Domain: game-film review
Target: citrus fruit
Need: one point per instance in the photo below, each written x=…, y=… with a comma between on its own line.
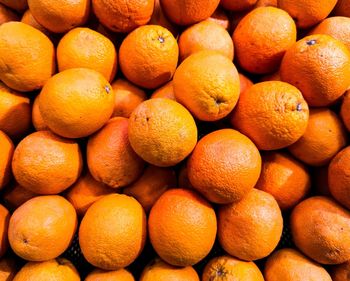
x=7, y=149
x=8, y=269
x=4, y=225
x=166, y=91
x=341, y=272
x=245, y=83
x=7, y=14
x=342, y=8
x=117, y=275
x=15, y=195
x=18, y=5
x=28, y=18
x=238, y=5
x=220, y=17
x=159, y=18
x=345, y=109
x=37, y=119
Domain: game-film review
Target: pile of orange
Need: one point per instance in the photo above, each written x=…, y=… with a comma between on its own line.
x=174, y=140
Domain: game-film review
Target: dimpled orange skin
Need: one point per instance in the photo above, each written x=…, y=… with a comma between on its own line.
x=182, y=227
x=7, y=149
x=18, y=5
x=52, y=270
x=251, y=228
x=59, y=16
x=272, y=114
x=127, y=97
x=290, y=265
x=196, y=10
x=325, y=135
x=46, y=163
x=166, y=91
x=158, y=270
x=4, y=224
x=245, y=83
x=341, y=272
x=8, y=269
x=148, y=56
x=37, y=119
x=152, y=137
x=320, y=228
x=203, y=36
x=113, y=232
x=345, y=110
x=110, y=157
x=238, y=5
x=76, y=102
x=342, y=8
x=28, y=18
x=228, y=268
x=151, y=185
x=285, y=178
x=319, y=66
x=117, y=275
x=52, y=217
x=261, y=39
x=224, y=166
x=27, y=58
x=16, y=195
x=207, y=84
x=307, y=13
x=7, y=14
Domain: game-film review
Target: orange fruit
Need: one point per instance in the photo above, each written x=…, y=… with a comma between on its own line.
x=148, y=56
x=7, y=14
x=76, y=102
x=183, y=180
x=285, y=178
x=151, y=185
x=307, y=13
x=53, y=270
x=39, y=222
x=245, y=83
x=45, y=163
x=158, y=270
x=59, y=16
x=110, y=158
x=160, y=144
x=165, y=91
x=290, y=265
x=182, y=227
x=207, y=84
x=120, y=16
x=224, y=166
x=8, y=269
x=4, y=225
x=230, y=268
x=220, y=17
x=272, y=114
x=345, y=109
x=159, y=18
x=238, y=5
x=320, y=228
x=325, y=135
x=127, y=97
x=28, y=18
x=18, y=5
x=27, y=58
x=15, y=112
x=271, y=77
x=117, y=275
x=266, y=3
x=113, y=232
x=7, y=149
x=342, y=8
x=85, y=191
x=205, y=35
x=341, y=272
x=338, y=177
x=15, y=195
x=37, y=118
x=261, y=39
x=85, y=48
x=251, y=228
x=319, y=66
x=186, y=12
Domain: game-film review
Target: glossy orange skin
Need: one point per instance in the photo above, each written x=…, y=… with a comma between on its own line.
x=345, y=110
x=28, y=18
x=166, y=91
x=4, y=225
x=117, y=275
x=7, y=149
x=7, y=14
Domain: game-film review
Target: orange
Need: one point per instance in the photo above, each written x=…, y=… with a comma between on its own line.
x=15, y=195
x=8, y=269
x=27, y=58
x=338, y=177
x=7, y=14
x=290, y=265
x=271, y=77
x=4, y=225
x=86, y=48
x=151, y=185
x=183, y=180
x=261, y=39
x=15, y=112
x=245, y=83
x=85, y=191
x=28, y=18
x=307, y=13
x=266, y=3
x=272, y=114
x=320, y=229
x=37, y=118
x=53, y=270
x=166, y=91
x=127, y=97
x=224, y=166
x=59, y=16
x=319, y=66
x=285, y=178
x=159, y=18
x=44, y=223
x=18, y=5
x=117, y=275
x=205, y=35
x=110, y=158
x=325, y=135
x=182, y=227
x=207, y=84
x=120, y=16
x=229, y=268
x=251, y=228
x=221, y=18
x=341, y=272
x=160, y=144
x=45, y=163
x=186, y=12
x=7, y=149
x=76, y=102
x=341, y=9
x=113, y=232
x=158, y=270
x=238, y=5
x=337, y=27
x=148, y=56
x=345, y=109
